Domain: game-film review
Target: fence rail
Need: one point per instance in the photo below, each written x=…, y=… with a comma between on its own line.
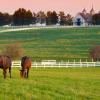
x=60, y=64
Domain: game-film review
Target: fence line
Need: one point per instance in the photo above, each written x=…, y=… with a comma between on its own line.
x=60, y=64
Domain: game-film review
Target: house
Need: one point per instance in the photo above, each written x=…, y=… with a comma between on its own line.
x=83, y=18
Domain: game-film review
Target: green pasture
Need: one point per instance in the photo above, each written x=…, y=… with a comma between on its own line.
x=52, y=84
x=54, y=43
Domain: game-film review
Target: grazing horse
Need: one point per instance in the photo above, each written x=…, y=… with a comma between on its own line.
x=5, y=63
x=25, y=66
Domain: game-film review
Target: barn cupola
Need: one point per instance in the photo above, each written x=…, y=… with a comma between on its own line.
x=84, y=11
x=92, y=12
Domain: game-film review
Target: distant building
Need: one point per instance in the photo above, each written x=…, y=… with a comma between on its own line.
x=83, y=18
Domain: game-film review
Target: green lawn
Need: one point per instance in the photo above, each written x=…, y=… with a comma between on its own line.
x=54, y=43
x=52, y=84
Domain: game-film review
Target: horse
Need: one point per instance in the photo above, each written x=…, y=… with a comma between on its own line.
x=25, y=66
x=5, y=63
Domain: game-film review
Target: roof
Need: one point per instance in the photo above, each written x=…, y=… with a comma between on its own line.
x=85, y=16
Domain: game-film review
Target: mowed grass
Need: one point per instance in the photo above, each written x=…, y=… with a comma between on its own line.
x=54, y=43
x=52, y=84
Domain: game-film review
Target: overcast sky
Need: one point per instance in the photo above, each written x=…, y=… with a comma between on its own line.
x=68, y=6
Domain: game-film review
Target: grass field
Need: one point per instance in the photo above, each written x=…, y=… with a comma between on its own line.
x=52, y=84
x=54, y=43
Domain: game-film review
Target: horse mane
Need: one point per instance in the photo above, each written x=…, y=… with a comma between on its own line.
x=23, y=59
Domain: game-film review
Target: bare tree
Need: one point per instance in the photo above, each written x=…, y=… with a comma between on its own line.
x=95, y=53
x=15, y=51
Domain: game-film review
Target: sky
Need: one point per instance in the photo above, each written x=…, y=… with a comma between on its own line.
x=68, y=6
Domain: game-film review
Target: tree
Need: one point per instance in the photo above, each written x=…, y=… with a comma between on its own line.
x=5, y=18
x=22, y=17
x=95, y=53
x=15, y=51
x=19, y=16
x=29, y=17
x=41, y=17
x=69, y=19
x=51, y=18
x=54, y=18
x=96, y=19
x=62, y=18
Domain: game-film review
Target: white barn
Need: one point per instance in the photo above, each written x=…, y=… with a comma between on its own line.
x=83, y=18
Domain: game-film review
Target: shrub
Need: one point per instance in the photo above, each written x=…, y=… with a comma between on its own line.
x=15, y=51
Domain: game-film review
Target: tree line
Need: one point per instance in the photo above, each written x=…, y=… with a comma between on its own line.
x=26, y=17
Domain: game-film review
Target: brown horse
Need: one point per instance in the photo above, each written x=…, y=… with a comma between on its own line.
x=25, y=66
x=5, y=63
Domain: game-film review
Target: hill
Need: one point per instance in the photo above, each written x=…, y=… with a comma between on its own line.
x=54, y=43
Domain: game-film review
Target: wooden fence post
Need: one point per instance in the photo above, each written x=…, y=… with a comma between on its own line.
x=87, y=62
x=66, y=64
x=74, y=63
x=80, y=63
x=59, y=64
x=36, y=64
x=44, y=65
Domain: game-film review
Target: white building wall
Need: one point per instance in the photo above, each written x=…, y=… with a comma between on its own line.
x=83, y=22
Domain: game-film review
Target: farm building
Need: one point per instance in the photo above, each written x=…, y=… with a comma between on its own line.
x=83, y=18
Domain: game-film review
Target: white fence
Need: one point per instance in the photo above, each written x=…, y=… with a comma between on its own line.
x=60, y=64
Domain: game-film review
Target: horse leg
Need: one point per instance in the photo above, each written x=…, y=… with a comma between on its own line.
x=4, y=73
x=27, y=72
x=10, y=71
x=24, y=73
